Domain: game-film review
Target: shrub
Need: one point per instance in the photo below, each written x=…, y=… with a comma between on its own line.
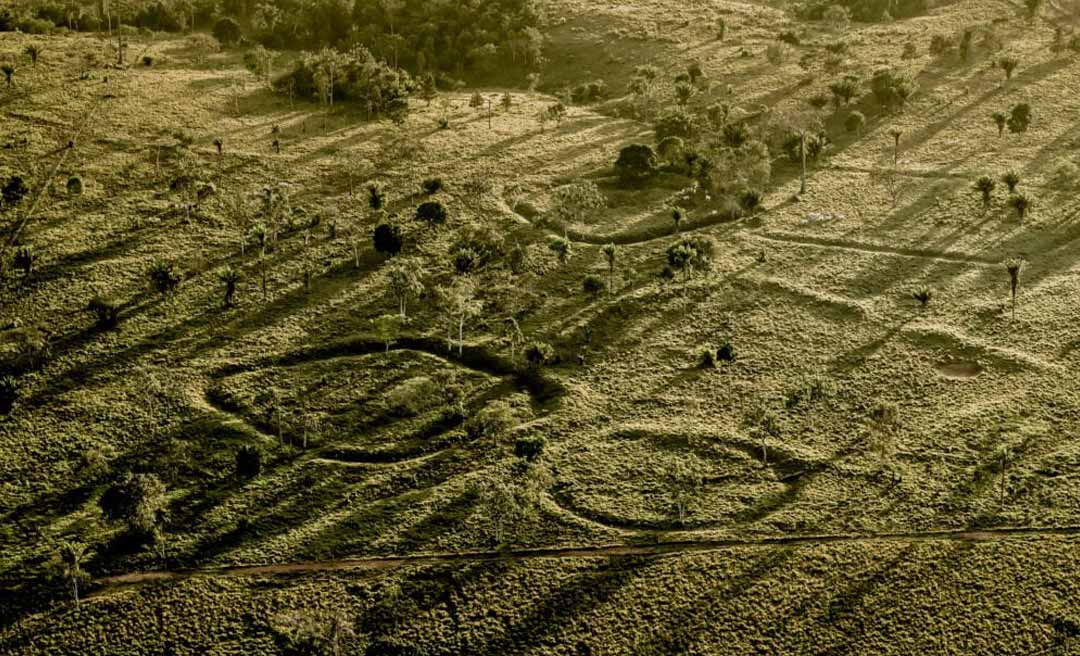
x=147, y=61
x=432, y=212
x=529, y=448
x=1011, y=180
x=1022, y=204
x=14, y=191
x=227, y=31
x=637, y=163
x=482, y=239
x=387, y=239
x=923, y=294
x=1020, y=118
x=249, y=461
x=519, y=259
x=476, y=100
x=432, y=186
x=691, y=255
x=671, y=149
x=592, y=285
x=1066, y=172
x=777, y=53
x=163, y=278
x=413, y=396
x=985, y=185
x=788, y=37
x=734, y=135
x=539, y=353
x=562, y=247
x=466, y=260
x=891, y=87
x=940, y=45
x=136, y=499
x=74, y=186
x=855, y=122
x=106, y=312
x=25, y=257
x=491, y=422
x=750, y=200
x=726, y=352
x=675, y=122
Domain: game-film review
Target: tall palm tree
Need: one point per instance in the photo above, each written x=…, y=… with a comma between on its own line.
x=1014, y=266
x=34, y=52
x=72, y=555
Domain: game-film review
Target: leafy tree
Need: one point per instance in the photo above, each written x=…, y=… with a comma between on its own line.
x=1014, y=266
x=376, y=198
x=1020, y=118
x=227, y=31
x=691, y=255
x=637, y=163
x=985, y=185
x=9, y=393
x=432, y=186
x=844, y=89
x=677, y=216
x=460, y=304
x=388, y=239
x=229, y=276
x=138, y=500
x=562, y=248
x=685, y=483
x=492, y=422
x=855, y=122
x=891, y=88
x=529, y=448
x=1021, y=203
x=387, y=328
x=163, y=278
x=9, y=73
x=405, y=275
x=675, y=122
x=13, y=192
x=432, y=212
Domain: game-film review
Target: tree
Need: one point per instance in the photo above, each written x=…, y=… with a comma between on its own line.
x=428, y=89
x=388, y=239
x=691, y=255
x=461, y=305
x=539, y=353
x=985, y=185
x=229, y=276
x=138, y=500
x=25, y=257
x=1000, y=120
x=1014, y=266
x=804, y=139
x=227, y=31
x=432, y=212
x=637, y=163
x=33, y=51
x=922, y=294
x=405, y=275
x=67, y=564
x=387, y=328
x=844, y=89
x=573, y=203
x=376, y=198
x=249, y=461
x=855, y=122
x=562, y=248
x=163, y=278
x=763, y=422
x=510, y=496
x=1011, y=179
x=1021, y=203
x=1019, y=118
x=13, y=192
x=891, y=88
x=9, y=73
x=610, y=254
x=1008, y=64
x=895, y=133
x=685, y=483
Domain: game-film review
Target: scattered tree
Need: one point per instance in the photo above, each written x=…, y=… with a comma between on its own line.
x=33, y=51
x=163, y=278
x=461, y=305
x=685, y=483
x=67, y=565
x=387, y=328
x=985, y=185
x=610, y=254
x=249, y=461
x=1011, y=180
x=1021, y=203
x=562, y=248
x=637, y=163
x=388, y=239
x=922, y=294
x=1000, y=121
x=1019, y=118
x=1008, y=65
x=1014, y=266
x=229, y=276
x=405, y=275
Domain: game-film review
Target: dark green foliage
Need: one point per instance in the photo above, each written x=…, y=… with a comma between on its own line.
x=163, y=278
x=376, y=197
x=432, y=186
x=815, y=145
x=358, y=77
x=592, y=284
x=726, y=352
x=25, y=257
x=387, y=239
x=227, y=31
x=1019, y=118
x=484, y=241
x=106, y=312
x=735, y=135
x=74, y=185
x=1021, y=203
x=844, y=90
x=637, y=163
x=9, y=393
x=855, y=122
x=249, y=461
x=539, y=353
x=138, y=500
x=491, y=422
x=1011, y=180
x=789, y=37
x=691, y=255
x=466, y=260
x=229, y=277
x=891, y=87
x=923, y=294
x=530, y=448
x=14, y=191
x=431, y=212
x=589, y=92
x=750, y=200
x=985, y=185
x=708, y=360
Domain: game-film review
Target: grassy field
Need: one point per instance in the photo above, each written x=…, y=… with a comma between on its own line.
x=814, y=294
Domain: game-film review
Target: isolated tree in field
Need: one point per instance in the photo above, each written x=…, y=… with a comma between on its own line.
x=843, y=90
x=138, y=500
x=249, y=461
x=677, y=216
x=610, y=253
x=985, y=185
x=405, y=276
x=923, y=294
x=387, y=328
x=33, y=51
x=884, y=421
x=67, y=565
x=163, y=278
x=895, y=133
x=803, y=139
x=763, y=422
x=1011, y=180
x=1014, y=266
x=685, y=483
x=13, y=191
x=1000, y=121
x=460, y=304
x=562, y=247
x=229, y=276
x=1021, y=203
x=9, y=73
x=1020, y=118
x=855, y=122
x=376, y=198
x=1008, y=64
x=387, y=238
x=637, y=163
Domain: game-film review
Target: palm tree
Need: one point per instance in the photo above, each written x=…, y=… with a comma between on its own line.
x=895, y=133
x=610, y=253
x=1021, y=204
x=985, y=185
x=1014, y=266
x=9, y=73
x=1000, y=120
x=1011, y=179
x=677, y=216
x=923, y=295
x=69, y=564
x=229, y=276
x=34, y=52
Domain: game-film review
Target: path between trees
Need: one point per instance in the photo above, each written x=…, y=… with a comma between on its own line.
x=662, y=548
